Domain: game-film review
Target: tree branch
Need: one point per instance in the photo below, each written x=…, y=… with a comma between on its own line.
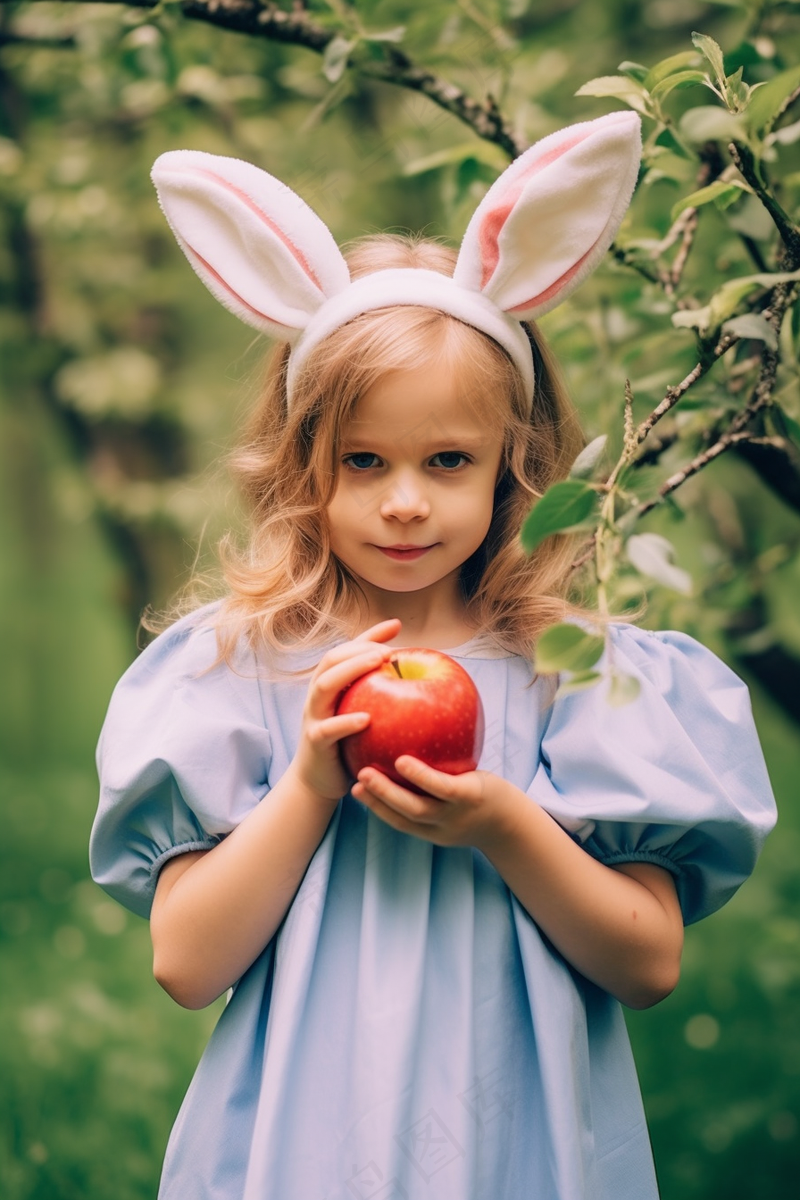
x=68, y=42
x=687, y=232
x=745, y=160
x=260, y=18
x=674, y=394
x=761, y=397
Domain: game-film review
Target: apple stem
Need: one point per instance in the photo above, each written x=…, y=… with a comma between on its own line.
x=397, y=669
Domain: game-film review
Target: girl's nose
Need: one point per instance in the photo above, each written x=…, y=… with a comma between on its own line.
x=405, y=498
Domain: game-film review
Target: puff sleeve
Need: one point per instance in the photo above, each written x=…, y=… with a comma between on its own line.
x=676, y=778
x=183, y=757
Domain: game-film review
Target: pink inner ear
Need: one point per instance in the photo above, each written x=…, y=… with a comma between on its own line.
x=551, y=291
x=496, y=217
x=276, y=229
x=227, y=287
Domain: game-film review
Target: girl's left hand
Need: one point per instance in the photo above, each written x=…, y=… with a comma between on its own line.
x=459, y=810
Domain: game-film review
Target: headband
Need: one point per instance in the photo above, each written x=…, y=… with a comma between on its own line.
x=539, y=231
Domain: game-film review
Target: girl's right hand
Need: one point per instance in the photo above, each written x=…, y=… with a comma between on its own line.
x=317, y=763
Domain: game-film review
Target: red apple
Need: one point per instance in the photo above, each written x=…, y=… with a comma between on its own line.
x=420, y=702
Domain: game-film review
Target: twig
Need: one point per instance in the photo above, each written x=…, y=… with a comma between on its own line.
x=687, y=239
x=261, y=18
x=629, y=260
x=701, y=460
x=745, y=160
x=761, y=397
x=68, y=42
x=674, y=394
x=587, y=555
x=629, y=433
x=654, y=449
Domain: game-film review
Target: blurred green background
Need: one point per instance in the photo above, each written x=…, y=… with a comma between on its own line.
x=122, y=387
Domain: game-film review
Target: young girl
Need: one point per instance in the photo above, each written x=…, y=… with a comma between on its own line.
x=425, y=987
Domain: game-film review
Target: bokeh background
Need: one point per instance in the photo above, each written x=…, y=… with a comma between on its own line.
x=123, y=384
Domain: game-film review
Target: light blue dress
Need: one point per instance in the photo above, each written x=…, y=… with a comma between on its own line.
x=409, y=1034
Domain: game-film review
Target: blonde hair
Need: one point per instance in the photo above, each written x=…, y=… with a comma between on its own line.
x=287, y=591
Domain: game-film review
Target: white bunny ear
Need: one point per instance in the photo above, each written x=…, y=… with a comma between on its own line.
x=255, y=244
x=545, y=224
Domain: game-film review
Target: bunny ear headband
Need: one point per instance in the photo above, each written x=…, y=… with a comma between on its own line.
x=542, y=227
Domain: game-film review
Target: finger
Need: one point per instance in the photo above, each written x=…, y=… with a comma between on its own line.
x=334, y=679
x=428, y=778
x=439, y=783
x=370, y=639
x=386, y=813
x=331, y=729
x=408, y=804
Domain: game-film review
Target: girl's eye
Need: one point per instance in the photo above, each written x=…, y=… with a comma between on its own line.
x=451, y=454
x=350, y=460
x=355, y=462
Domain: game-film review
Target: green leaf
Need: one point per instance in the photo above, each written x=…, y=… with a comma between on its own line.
x=681, y=80
x=737, y=93
x=386, y=35
x=707, y=122
x=727, y=298
x=720, y=192
x=588, y=458
x=667, y=165
x=691, y=318
x=767, y=101
x=334, y=60
x=578, y=682
x=621, y=87
x=622, y=689
x=633, y=69
x=479, y=151
x=653, y=555
x=711, y=51
x=567, y=647
x=669, y=66
x=562, y=506
x=752, y=325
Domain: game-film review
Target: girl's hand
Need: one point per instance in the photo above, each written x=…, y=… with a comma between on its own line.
x=317, y=763
x=459, y=810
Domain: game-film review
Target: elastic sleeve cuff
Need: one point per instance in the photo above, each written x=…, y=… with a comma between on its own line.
x=616, y=857
x=174, y=851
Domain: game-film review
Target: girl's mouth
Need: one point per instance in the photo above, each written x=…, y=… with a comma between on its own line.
x=402, y=555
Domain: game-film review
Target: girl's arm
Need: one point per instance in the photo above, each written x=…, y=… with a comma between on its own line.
x=621, y=927
x=215, y=910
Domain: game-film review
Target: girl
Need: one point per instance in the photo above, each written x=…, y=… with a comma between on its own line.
x=424, y=987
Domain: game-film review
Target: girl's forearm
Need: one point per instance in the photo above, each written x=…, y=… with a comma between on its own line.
x=215, y=910
x=620, y=927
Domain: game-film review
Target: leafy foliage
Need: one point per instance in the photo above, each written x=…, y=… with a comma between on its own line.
x=114, y=409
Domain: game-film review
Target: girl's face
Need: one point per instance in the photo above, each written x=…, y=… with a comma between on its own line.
x=416, y=468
